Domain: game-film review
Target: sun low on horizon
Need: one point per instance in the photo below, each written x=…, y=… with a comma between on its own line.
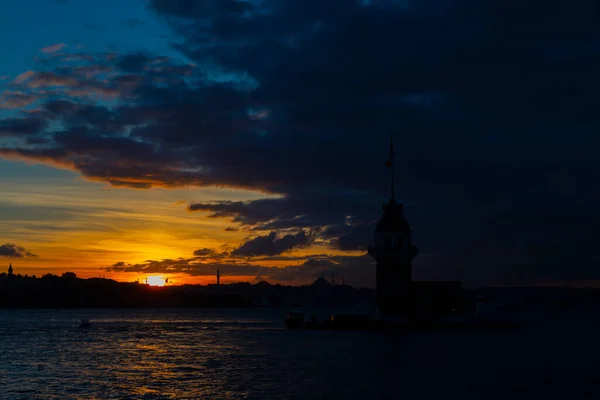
x=156, y=280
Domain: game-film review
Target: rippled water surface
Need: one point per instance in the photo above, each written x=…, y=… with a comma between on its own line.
x=199, y=354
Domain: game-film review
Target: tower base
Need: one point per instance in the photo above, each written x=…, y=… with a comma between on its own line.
x=396, y=306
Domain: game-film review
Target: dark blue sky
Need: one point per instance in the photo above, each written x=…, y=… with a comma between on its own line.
x=493, y=107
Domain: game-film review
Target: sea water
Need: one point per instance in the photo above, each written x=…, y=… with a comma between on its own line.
x=247, y=354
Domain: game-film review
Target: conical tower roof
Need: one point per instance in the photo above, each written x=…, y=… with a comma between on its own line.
x=393, y=219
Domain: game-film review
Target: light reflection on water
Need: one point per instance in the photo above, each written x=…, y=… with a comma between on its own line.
x=199, y=354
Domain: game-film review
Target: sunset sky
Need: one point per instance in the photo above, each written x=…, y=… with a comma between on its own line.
x=172, y=138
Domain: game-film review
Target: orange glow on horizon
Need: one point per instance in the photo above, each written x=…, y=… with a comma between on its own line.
x=94, y=227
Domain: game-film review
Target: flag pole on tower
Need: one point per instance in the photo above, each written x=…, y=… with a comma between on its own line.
x=390, y=164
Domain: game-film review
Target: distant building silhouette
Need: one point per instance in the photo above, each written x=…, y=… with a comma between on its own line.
x=10, y=270
x=321, y=284
x=393, y=250
x=218, y=276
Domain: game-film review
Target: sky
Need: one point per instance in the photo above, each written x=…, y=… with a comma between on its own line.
x=172, y=138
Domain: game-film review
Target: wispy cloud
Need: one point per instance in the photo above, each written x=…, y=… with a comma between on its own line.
x=9, y=100
x=23, y=76
x=53, y=48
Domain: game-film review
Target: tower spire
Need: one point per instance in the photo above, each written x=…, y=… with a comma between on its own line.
x=392, y=184
x=390, y=164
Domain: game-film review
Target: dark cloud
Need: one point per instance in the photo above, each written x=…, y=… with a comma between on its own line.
x=358, y=238
x=206, y=253
x=13, y=251
x=305, y=210
x=493, y=106
x=357, y=271
x=19, y=127
x=272, y=244
x=133, y=62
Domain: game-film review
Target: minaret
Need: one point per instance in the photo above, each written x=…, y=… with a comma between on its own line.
x=10, y=270
x=218, y=276
x=393, y=250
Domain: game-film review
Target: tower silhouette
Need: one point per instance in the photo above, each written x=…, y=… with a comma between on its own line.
x=218, y=276
x=393, y=250
x=10, y=270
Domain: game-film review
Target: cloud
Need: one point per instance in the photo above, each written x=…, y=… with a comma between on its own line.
x=271, y=244
x=493, y=112
x=13, y=251
x=206, y=252
x=19, y=127
x=357, y=271
x=10, y=99
x=53, y=48
x=23, y=76
x=304, y=210
x=359, y=237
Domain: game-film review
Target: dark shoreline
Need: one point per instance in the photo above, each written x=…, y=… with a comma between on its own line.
x=53, y=292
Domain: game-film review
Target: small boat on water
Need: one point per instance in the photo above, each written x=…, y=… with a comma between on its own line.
x=294, y=320
x=361, y=321
x=85, y=323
